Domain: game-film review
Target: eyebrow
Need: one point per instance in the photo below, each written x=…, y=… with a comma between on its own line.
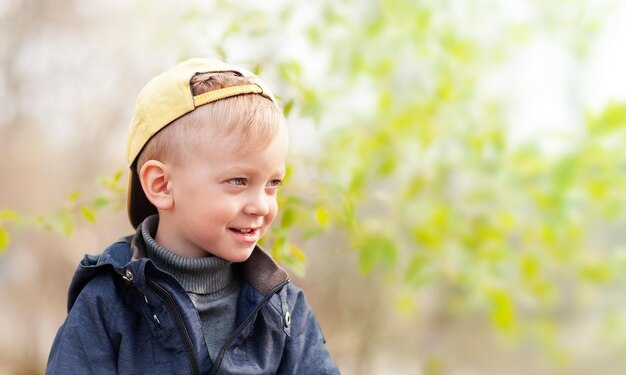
x=253, y=171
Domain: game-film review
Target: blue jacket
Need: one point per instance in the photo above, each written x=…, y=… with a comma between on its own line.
x=126, y=316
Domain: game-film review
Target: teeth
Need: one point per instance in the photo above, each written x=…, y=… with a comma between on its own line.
x=246, y=231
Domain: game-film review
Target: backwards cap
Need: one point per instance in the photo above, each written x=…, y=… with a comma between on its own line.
x=165, y=98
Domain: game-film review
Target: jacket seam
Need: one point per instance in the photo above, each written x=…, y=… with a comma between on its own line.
x=111, y=323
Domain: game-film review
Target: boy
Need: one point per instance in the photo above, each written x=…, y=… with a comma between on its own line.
x=191, y=292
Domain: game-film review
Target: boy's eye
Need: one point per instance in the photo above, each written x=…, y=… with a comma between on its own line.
x=237, y=181
x=274, y=183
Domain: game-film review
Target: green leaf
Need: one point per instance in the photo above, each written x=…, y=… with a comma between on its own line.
x=297, y=253
x=310, y=105
x=415, y=272
x=405, y=304
x=313, y=232
x=385, y=101
x=295, y=259
x=99, y=202
x=313, y=33
x=428, y=237
x=9, y=215
x=114, y=184
x=612, y=118
x=68, y=228
x=117, y=176
x=256, y=70
x=88, y=214
x=529, y=267
x=503, y=313
x=374, y=252
x=4, y=239
x=415, y=186
x=595, y=271
x=61, y=223
x=290, y=71
x=74, y=196
x=288, y=107
x=387, y=165
x=278, y=244
x=321, y=216
x=288, y=217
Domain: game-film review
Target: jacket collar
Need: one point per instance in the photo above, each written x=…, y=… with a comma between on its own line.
x=259, y=270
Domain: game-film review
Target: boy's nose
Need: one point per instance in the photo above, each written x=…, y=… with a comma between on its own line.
x=258, y=205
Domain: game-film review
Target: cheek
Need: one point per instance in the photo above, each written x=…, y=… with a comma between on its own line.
x=273, y=211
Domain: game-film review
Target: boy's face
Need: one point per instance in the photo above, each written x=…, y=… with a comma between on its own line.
x=224, y=197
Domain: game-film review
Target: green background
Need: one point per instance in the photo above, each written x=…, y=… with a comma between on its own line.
x=456, y=193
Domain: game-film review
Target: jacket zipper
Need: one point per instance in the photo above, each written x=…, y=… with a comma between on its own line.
x=220, y=356
x=180, y=324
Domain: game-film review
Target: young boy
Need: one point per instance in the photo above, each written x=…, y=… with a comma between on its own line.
x=190, y=291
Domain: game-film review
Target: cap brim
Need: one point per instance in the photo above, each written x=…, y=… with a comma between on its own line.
x=139, y=207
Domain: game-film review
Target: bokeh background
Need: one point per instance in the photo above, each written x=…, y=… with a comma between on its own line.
x=456, y=202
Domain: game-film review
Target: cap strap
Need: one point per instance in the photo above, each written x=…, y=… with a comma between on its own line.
x=226, y=92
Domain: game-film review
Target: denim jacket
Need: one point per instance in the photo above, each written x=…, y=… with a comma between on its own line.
x=126, y=316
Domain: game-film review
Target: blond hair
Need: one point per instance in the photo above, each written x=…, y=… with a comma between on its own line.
x=252, y=118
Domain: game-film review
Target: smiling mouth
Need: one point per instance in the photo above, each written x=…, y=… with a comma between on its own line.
x=247, y=235
x=245, y=231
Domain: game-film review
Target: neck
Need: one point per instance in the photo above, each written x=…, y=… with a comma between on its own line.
x=208, y=275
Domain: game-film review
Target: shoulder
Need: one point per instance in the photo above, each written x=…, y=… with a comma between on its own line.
x=97, y=288
x=294, y=301
x=98, y=297
x=295, y=296
x=101, y=286
x=95, y=273
x=289, y=296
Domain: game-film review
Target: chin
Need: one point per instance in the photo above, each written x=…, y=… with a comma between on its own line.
x=240, y=257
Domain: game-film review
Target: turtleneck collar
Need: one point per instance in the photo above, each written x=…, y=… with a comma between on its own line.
x=209, y=275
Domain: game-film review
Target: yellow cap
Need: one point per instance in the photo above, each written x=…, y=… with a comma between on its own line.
x=165, y=98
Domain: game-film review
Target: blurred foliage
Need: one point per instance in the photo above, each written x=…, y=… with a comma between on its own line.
x=425, y=184
x=417, y=173
x=75, y=209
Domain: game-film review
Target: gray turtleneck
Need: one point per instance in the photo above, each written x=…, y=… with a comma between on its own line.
x=210, y=282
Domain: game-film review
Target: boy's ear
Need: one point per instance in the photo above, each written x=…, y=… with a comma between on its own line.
x=155, y=184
